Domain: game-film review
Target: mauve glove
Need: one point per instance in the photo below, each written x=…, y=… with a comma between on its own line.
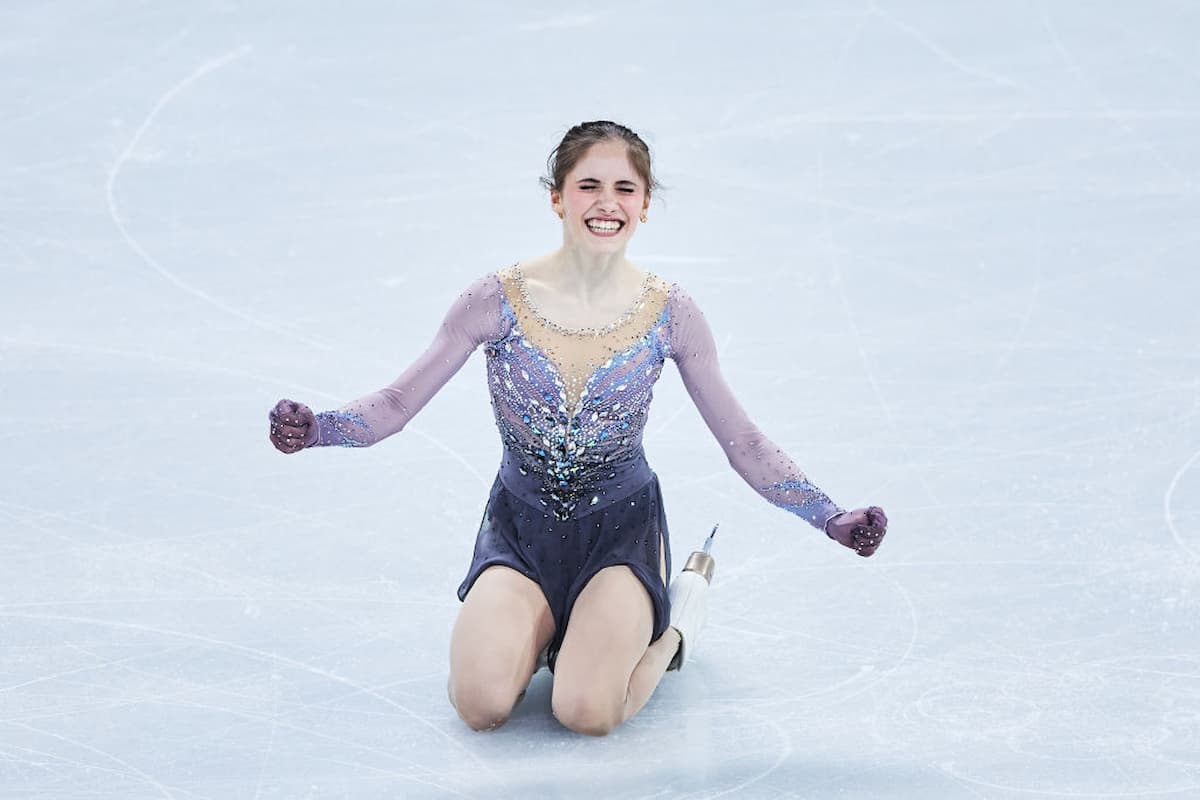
x=862, y=530
x=293, y=426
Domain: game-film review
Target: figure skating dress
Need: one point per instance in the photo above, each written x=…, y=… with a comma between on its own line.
x=574, y=493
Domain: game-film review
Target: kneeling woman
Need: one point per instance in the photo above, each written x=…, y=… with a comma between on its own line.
x=572, y=559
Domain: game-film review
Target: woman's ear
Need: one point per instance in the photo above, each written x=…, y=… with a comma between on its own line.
x=556, y=203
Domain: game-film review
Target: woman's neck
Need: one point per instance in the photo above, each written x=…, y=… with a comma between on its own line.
x=587, y=275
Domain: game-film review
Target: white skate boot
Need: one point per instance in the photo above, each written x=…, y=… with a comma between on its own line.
x=689, y=601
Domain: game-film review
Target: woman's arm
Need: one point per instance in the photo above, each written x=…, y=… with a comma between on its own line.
x=756, y=458
x=475, y=317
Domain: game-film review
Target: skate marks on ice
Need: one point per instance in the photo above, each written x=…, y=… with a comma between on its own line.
x=128, y=154
x=1059, y=717
x=1192, y=549
x=244, y=703
x=975, y=182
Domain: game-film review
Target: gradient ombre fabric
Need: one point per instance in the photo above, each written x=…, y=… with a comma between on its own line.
x=571, y=406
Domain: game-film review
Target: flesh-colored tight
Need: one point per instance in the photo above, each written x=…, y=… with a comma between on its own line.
x=604, y=674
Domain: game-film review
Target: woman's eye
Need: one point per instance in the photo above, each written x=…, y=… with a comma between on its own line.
x=625, y=190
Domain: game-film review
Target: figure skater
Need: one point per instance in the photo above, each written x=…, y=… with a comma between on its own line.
x=572, y=558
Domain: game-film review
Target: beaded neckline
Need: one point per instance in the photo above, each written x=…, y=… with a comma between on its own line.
x=616, y=324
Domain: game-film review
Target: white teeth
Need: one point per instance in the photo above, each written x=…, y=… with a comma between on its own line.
x=604, y=225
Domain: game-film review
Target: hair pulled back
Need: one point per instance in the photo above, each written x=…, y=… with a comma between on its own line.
x=579, y=139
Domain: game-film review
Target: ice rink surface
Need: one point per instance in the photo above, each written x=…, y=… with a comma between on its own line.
x=949, y=253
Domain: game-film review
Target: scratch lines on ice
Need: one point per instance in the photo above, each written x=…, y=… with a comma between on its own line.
x=110, y=191
x=1168, y=498
x=267, y=656
x=941, y=52
x=130, y=769
x=785, y=750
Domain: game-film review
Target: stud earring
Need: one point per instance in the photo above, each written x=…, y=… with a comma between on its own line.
x=643, y=217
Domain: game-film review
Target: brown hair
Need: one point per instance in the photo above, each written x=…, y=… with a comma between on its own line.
x=579, y=140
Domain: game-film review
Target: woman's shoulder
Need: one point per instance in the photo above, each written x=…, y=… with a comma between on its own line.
x=481, y=310
x=506, y=273
x=674, y=294
x=488, y=285
x=483, y=295
x=659, y=283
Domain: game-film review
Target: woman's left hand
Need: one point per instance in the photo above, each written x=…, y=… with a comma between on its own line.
x=862, y=530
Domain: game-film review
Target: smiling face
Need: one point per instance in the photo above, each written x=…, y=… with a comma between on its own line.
x=601, y=199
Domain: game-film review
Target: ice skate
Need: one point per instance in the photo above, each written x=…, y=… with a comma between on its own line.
x=689, y=601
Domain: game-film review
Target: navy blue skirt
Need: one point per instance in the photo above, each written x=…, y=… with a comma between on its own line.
x=561, y=556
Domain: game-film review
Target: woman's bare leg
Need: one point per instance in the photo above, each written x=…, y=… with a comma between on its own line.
x=503, y=625
x=605, y=672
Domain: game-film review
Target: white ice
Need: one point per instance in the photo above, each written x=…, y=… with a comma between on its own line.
x=950, y=254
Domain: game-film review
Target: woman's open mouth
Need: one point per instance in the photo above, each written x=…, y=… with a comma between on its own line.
x=604, y=227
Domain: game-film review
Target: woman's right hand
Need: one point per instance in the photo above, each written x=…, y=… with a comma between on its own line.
x=862, y=530
x=293, y=426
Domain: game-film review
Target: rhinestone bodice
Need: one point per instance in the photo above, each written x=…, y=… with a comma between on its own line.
x=571, y=404
x=577, y=357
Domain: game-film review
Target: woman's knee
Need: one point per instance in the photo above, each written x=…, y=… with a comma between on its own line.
x=501, y=626
x=586, y=711
x=482, y=705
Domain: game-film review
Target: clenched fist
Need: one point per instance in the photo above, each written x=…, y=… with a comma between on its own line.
x=862, y=530
x=293, y=426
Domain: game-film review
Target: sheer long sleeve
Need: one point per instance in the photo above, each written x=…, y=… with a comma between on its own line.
x=763, y=465
x=475, y=317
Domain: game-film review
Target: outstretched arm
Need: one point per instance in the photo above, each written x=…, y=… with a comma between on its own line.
x=475, y=317
x=756, y=458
